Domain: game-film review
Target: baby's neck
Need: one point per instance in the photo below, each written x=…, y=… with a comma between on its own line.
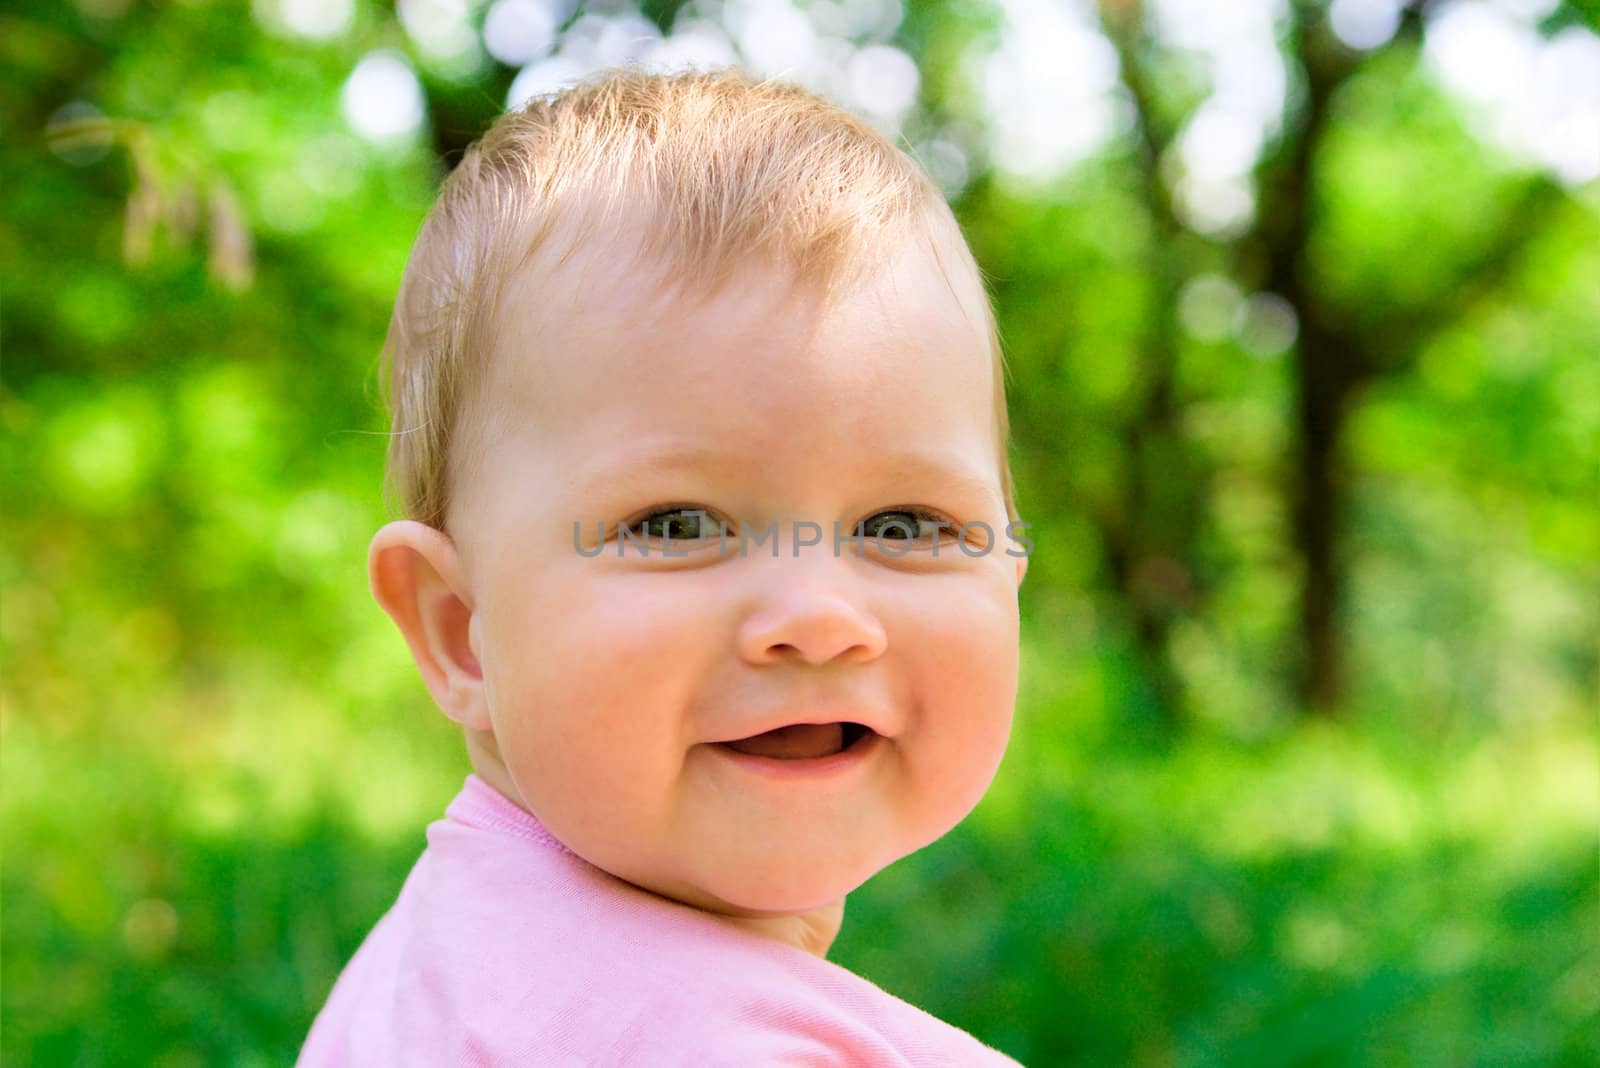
x=812, y=931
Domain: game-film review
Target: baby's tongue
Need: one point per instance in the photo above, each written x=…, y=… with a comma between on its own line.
x=800, y=741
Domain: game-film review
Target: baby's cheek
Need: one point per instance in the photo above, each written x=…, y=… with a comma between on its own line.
x=968, y=683
x=588, y=675
x=969, y=641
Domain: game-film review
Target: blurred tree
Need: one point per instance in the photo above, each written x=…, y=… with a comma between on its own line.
x=1344, y=344
x=1346, y=340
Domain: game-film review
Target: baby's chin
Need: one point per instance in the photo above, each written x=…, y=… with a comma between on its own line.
x=781, y=894
x=760, y=890
x=773, y=879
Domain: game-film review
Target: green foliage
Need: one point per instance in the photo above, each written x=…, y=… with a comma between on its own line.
x=219, y=760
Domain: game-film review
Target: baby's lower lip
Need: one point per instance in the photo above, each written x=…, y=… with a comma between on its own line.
x=837, y=764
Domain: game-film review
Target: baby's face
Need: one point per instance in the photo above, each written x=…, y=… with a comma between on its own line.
x=612, y=682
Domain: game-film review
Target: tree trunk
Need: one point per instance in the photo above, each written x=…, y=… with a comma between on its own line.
x=1324, y=384
x=1149, y=549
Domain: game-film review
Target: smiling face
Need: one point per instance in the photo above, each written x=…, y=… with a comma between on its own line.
x=608, y=681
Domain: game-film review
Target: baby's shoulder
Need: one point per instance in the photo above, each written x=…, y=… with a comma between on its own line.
x=743, y=1004
x=561, y=959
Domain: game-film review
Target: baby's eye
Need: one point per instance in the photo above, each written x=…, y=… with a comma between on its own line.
x=677, y=524
x=906, y=524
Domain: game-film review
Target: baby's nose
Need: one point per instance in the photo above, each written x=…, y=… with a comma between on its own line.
x=813, y=611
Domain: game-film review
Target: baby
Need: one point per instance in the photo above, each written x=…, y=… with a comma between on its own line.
x=711, y=550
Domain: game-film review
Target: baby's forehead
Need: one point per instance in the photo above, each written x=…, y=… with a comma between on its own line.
x=556, y=389
x=630, y=273
x=589, y=287
x=607, y=327
x=642, y=347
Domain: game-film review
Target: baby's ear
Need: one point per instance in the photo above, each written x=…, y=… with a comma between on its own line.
x=416, y=577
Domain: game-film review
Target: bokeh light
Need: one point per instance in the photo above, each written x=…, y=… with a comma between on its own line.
x=382, y=98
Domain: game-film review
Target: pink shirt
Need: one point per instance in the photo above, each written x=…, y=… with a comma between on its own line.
x=505, y=947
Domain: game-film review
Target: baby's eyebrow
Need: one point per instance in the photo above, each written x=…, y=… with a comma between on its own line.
x=629, y=469
x=633, y=468
x=950, y=474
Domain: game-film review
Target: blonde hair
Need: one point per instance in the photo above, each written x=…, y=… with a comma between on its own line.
x=725, y=167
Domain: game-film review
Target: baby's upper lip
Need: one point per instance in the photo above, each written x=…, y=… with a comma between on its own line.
x=871, y=718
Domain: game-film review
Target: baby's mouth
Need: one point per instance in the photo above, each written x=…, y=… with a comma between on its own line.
x=801, y=741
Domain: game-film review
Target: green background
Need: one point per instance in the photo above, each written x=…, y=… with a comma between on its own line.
x=1229, y=830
